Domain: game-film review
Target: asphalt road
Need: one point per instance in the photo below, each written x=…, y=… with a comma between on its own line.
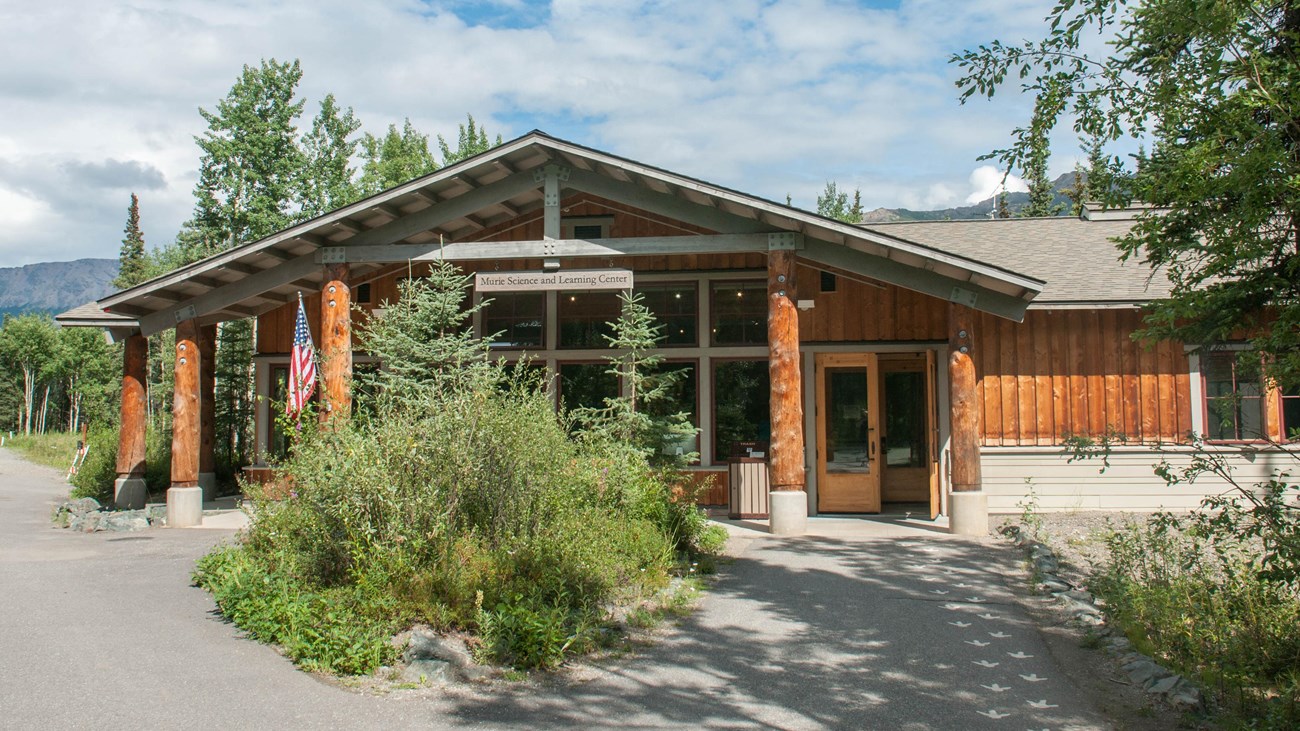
x=910, y=632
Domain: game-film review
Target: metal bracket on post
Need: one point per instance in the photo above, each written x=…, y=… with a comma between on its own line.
x=550, y=176
x=332, y=255
x=963, y=296
x=785, y=241
x=185, y=313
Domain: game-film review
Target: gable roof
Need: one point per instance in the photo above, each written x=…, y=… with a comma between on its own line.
x=1075, y=256
x=505, y=182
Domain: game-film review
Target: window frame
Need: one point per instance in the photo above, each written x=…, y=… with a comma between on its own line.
x=714, y=285
x=1232, y=352
x=483, y=330
x=559, y=316
x=669, y=284
x=720, y=460
x=699, y=403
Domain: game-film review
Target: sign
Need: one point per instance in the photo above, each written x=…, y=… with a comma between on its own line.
x=545, y=281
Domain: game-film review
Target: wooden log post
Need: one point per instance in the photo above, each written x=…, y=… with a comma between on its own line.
x=336, y=344
x=788, y=502
x=208, y=411
x=968, y=505
x=185, y=497
x=129, y=489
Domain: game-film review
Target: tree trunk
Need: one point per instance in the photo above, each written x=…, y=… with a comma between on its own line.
x=29, y=398
x=45, y=407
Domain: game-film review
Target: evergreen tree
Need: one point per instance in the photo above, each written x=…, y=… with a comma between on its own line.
x=327, y=174
x=471, y=140
x=1034, y=167
x=632, y=418
x=133, y=264
x=396, y=158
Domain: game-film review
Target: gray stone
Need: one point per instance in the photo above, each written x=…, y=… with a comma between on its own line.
x=1140, y=671
x=1046, y=565
x=1081, y=596
x=1055, y=585
x=425, y=646
x=89, y=523
x=83, y=505
x=156, y=514
x=1119, y=644
x=128, y=521
x=1188, y=698
x=1165, y=685
x=427, y=671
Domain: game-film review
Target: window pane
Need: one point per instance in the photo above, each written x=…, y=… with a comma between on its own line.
x=681, y=397
x=1291, y=416
x=515, y=319
x=675, y=307
x=904, y=437
x=278, y=444
x=586, y=385
x=588, y=231
x=740, y=313
x=585, y=318
x=740, y=405
x=845, y=420
x=1234, y=403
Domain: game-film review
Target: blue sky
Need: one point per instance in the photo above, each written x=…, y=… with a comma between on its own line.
x=772, y=97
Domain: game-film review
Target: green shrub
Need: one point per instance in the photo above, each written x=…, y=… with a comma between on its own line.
x=99, y=470
x=1195, y=593
x=459, y=499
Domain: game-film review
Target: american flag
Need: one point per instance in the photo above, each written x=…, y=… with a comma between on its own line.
x=302, y=366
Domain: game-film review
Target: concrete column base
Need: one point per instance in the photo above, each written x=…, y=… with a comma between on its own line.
x=968, y=513
x=208, y=481
x=130, y=493
x=184, y=507
x=787, y=512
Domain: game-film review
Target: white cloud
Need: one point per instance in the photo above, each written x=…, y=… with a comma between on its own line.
x=771, y=97
x=987, y=181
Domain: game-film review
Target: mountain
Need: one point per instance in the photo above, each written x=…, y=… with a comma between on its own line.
x=55, y=286
x=1015, y=202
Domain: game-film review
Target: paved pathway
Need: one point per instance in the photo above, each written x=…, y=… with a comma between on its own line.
x=908, y=630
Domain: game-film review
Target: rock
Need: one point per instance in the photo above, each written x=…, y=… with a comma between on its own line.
x=1055, y=585
x=1187, y=698
x=83, y=505
x=427, y=646
x=1119, y=644
x=1165, y=685
x=1140, y=671
x=427, y=671
x=128, y=521
x=157, y=515
x=88, y=523
x=1081, y=596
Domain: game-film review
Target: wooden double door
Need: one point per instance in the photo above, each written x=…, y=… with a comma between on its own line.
x=877, y=431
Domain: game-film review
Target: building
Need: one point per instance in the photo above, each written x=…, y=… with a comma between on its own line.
x=940, y=363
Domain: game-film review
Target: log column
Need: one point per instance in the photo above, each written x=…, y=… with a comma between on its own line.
x=185, y=497
x=336, y=344
x=968, y=512
x=129, y=489
x=207, y=411
x=788, y=502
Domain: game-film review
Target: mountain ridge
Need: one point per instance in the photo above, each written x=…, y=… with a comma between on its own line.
x=55, y=286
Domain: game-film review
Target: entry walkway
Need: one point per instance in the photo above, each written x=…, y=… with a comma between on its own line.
x=833, y=631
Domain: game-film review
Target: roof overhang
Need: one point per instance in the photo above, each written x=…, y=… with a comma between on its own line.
x=440, y=213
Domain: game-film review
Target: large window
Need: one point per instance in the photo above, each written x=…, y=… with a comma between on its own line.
x=1234, y=397
x=682, y=397
x=740, y=405
x=676, y=308
x=740, y=313
x=585, y=318
x=586, y=385
x=515, y=319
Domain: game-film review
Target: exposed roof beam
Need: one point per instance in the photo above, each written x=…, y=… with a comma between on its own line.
x=242, y=268
x=908, y=277
x=349, y=225
x=389, y=210
x=209, y=282
x=663, y=203
x=280, y=254
x=423, y=220
x=314, y=240
x=560, y=248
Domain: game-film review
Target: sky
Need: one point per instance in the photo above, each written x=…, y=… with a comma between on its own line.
x=100, y=98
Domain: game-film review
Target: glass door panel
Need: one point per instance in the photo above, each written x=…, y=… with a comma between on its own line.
x=845, y=420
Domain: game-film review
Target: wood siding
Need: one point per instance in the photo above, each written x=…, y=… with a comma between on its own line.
x=1064, y=372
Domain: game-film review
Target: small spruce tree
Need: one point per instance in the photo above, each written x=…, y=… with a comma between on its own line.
x=133, y=265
